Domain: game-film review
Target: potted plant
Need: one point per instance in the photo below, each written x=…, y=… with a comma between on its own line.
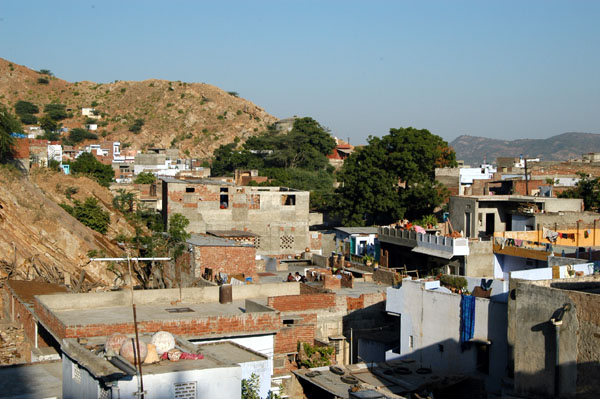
x=368, y=259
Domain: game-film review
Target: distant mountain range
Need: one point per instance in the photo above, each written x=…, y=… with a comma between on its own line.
x=563, y=147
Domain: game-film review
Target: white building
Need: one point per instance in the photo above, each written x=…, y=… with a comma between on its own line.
x=218, y=375
x=430, y=331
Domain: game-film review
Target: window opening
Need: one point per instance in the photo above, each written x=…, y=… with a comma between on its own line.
x=190, y=189
x=289, y=199
x=224, y=198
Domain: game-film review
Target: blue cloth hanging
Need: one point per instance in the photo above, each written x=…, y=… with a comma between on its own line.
x=467, y=318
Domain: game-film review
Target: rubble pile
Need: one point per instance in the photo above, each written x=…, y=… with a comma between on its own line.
x=12, y=345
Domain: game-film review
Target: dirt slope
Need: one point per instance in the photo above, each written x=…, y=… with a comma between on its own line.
x=194, y=117
x=42, y=240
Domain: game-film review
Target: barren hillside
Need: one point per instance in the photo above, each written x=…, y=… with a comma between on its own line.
x=40, y=240
x=562, y=147
x=194, y=117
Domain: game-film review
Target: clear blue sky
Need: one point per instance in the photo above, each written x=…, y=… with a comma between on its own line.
x=503, y=69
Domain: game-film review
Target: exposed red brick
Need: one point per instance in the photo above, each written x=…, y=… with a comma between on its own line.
x=302, y=302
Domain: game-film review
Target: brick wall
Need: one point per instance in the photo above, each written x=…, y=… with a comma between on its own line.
x=286, y=341
x=55, y=326
x=23, y=317
x=384, y=275
x=332, y=282
x=315, y=242
x=21, y=149
x=302, y=302
x=354, y=303
x=203, y=327
x=230, y=260
x=308, y=289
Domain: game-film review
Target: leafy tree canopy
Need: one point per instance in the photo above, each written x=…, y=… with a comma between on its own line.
x=8, y=124
x=91, y=214
x=86, y=163
x=124, y=200
x=588, y=189
x=48, y=124
x=77, y=135
x=145, y=178
x=28, y=119
x=305, y=146
x=56, y=112
x=25, y=107
x=177, y=233
x=393, y=177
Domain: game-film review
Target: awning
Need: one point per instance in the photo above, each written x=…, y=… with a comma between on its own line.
x=433, y=252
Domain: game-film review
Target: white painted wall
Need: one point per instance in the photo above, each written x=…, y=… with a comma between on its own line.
x=221, y=382
x=218, y=382
x=430, y=322
x=263, y=344
x=546, y=272
x=505, y=264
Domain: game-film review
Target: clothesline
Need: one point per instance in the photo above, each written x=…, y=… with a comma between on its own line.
x=513, y=242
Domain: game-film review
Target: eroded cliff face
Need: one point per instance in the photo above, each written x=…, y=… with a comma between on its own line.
x=40, y=240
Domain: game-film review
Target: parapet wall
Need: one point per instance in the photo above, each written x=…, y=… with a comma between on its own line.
x=57, y=302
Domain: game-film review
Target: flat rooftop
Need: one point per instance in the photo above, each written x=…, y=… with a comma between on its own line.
x=514, y=198
x=396, y=377
x=212, y=241
x=26, y=290
x=152, y=312
x=231, y=233
x=357, y=230
x=216, y=355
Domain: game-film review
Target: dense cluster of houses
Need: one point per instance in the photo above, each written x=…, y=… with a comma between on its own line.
x=499, y=299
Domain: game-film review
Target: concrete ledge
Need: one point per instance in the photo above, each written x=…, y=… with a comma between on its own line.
x=57, y=302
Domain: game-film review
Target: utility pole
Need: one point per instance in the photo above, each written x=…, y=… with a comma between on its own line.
x=526, y=179
x=136, y=346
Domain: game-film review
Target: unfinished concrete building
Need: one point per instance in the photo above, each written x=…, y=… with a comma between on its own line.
x=279, y=216
x=482, y=216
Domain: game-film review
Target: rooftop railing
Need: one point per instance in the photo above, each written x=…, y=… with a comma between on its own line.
x=410, y=238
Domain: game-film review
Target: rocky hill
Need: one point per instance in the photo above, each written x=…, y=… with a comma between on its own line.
x=194, y=117
x=563, y=147
x=41, y=241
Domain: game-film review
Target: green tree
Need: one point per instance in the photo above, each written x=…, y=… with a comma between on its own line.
x=588, y=189
x=48, y=124
x=28, y=119
x=8, y=124
x=306, y=146
x=227, y=158
x=87, y=164
x=91, y=214
x=77, y=135
x=136, y=127
x=25, y=107
x=251, y=387
x=56, y=112
x=177, y=233
x=297, y=159
x=145, y=178
x=124, y=200
x=393, y=177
